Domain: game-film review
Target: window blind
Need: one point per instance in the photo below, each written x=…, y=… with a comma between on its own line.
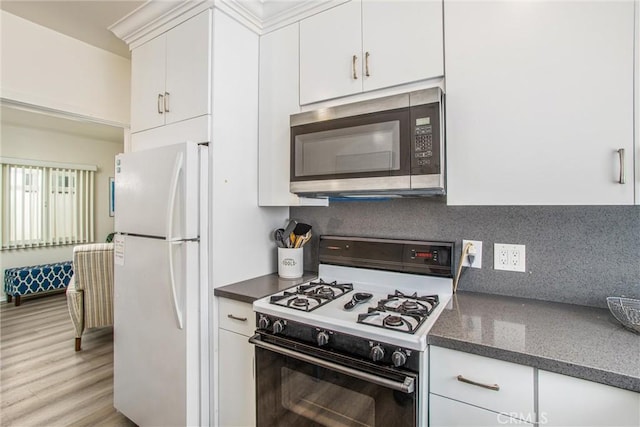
x=46, y=205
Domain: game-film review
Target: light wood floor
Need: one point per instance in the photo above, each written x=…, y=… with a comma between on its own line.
x=43, y=381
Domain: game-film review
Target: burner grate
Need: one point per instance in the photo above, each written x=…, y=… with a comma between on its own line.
x=312, y=295
x=405, y=313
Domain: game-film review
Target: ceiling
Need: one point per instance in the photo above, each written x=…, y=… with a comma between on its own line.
x=85, y=20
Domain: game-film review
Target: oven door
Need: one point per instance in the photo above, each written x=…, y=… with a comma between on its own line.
x=300, y=385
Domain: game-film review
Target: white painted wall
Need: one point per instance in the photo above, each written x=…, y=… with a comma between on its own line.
x=56, y=146
x=42, y=67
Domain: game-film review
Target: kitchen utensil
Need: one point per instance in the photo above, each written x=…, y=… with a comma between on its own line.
x=287, y=233
x=301, y=240
x=278, y=235
x=358, y=298
x=627, y=311
x=301, y=229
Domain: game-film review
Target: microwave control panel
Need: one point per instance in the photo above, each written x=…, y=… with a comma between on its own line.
x=425, y=146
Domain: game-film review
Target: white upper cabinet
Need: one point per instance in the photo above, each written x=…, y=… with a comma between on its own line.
x=148, y=71
x=278, y=100
x=402, y=42
x=331, y=53
x=365, y=45
x=539, y=101
x=170, y=75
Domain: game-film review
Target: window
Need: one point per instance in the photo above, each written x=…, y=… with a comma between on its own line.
x=46, y=204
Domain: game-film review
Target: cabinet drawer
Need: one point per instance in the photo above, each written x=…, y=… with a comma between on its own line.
x=449, y=369
x=236, y=316
x=445, y=412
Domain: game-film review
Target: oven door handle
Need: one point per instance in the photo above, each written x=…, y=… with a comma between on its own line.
x=407, y=386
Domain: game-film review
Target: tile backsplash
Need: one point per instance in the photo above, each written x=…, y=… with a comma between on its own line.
x=574, y=254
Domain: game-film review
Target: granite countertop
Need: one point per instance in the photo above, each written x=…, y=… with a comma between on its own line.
x=250, y=290
x=583, y=342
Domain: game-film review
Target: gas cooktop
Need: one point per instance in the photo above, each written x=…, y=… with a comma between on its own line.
x=358, y=293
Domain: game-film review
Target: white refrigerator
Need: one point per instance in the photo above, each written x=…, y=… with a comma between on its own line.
x=160, y=291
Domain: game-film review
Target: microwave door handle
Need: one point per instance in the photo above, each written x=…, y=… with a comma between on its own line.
x=407, y=386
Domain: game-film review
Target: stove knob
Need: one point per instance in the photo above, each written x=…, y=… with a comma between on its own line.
x=263, y=322
x=398, y=358
x=278, y=326
x=322, y=338
x=377, y=353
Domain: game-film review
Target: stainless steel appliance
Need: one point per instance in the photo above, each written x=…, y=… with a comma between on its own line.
x=350, y=348
x=392, y=145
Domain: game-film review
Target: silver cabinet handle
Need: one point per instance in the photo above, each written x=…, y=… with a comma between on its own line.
x=242, y=319
x=160, y=103
x=353, y=65
x=366, y=64
x=407, y=386
x=494, y=387
x=622, y=178
x=166, y=102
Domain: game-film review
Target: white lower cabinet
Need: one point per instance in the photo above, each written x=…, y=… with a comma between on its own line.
x=470, y=390
x=568, y=401
x=236, y=373
x=448, y=412
x=495, y=385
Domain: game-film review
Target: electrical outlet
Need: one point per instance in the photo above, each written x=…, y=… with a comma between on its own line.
x=509, y=257
x=477, y=260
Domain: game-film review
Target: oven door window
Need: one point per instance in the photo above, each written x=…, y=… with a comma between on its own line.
x=364, y=146
x=291, y=392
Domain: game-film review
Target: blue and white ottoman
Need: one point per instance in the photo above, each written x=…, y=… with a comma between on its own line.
x=36, y=279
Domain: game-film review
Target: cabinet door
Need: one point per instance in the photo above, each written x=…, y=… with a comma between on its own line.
x=147, y=84
x=568, y=401
x=447, y=412
x=539, y=100
x=237, y=397
x=403, y=40
x=328, y=43
x=188, y=68
x=278, y=100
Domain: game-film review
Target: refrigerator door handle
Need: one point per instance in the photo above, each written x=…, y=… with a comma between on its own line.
x=173, y=191
x=176, y=307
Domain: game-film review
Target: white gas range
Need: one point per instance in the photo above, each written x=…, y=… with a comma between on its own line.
x=358, y=333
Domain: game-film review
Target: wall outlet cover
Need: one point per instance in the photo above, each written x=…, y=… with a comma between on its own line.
x=509, y=257
x=477, y=261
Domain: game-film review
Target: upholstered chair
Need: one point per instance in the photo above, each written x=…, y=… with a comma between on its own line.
x=90, y=291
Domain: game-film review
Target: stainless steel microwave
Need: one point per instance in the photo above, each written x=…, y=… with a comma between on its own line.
x=387, y=146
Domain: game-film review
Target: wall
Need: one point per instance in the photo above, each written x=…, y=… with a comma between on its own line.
x=56, y=146
x=45, y=68
x=574, y=254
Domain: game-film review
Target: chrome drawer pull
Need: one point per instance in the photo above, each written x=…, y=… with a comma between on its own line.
x=621, y=179
x=494, y=387
x=160, y=103
x=353, y=66
x=242, y=319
